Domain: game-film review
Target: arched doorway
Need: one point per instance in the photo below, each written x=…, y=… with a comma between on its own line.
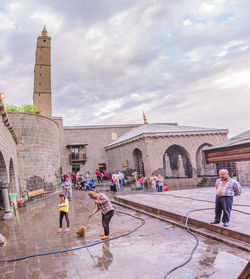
x=4, y=188
x=203, y=169
x=138, y=161
x=12, y=182
x=176, y=162
x=3, y=177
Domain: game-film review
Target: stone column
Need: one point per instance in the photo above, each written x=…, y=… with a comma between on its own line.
x=167, y=166
x=6, y=202
x=181, y=169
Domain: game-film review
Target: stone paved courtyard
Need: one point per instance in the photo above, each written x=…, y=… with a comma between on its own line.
x=147, y=253
x=179, y=202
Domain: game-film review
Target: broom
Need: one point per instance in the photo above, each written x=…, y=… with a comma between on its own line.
x=82, y=230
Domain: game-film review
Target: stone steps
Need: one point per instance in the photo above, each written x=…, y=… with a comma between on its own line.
x=221, y=234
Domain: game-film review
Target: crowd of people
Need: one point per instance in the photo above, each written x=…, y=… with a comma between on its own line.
x=117, y=181
x=83, y=181
x=226, y=188
x=156, y=182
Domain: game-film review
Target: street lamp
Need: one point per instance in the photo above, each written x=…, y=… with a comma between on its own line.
x=2, y=96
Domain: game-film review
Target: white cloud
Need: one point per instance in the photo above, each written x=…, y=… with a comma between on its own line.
x=51, y=19
x=6, y=24
x=234, y=80
x=177, y=60
x=187, y=22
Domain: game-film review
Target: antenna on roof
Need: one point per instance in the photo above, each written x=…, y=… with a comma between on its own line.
x=144, y=118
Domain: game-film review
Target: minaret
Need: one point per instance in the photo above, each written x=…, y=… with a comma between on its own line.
x=144, y=118
x=42, y=75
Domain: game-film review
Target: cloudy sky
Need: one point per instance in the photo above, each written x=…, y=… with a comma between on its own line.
x=179, y=61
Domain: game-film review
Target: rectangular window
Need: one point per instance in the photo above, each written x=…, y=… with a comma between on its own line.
x=75, y=153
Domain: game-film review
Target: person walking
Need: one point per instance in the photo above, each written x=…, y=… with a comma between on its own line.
x=104, y=204
x=64, y=211
x=226, y=188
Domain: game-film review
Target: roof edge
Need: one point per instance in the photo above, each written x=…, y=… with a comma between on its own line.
x=137, y=137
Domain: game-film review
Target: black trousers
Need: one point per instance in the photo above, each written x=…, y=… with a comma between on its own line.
x=106, y=218
x=62, y=213
x=224, y=204
x=99, y=179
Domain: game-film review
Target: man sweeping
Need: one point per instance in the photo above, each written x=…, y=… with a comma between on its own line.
x=104, y=204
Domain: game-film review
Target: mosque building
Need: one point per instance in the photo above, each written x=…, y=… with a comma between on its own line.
x=35, y=149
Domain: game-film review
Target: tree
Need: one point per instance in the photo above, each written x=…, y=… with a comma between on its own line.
x=23, y=108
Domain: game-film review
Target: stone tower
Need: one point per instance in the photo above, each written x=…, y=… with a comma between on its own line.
x=42, y=75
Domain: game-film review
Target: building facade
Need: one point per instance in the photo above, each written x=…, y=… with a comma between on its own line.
x=36, y=149
x=9, y=176
x=170, y=150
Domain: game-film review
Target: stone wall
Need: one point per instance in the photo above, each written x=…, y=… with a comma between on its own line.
x=8, y=155
x=96, y=138
x=243, y=171
x=39, y=151
x=118, y=155
x=153, y=149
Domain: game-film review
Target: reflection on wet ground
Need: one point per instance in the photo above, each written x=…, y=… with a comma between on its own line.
x=148, y=253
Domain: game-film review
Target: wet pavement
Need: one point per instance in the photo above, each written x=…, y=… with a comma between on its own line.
x=147, y=253
x=179, y=202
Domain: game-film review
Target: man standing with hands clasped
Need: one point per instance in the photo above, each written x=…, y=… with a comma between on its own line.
x=104, y=204
x=226, y=188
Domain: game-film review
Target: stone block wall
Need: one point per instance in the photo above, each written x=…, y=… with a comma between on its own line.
x=153, y=149
x=8, y=159
x=95, y=138
x=116, y=157
x=243, y=171
x=157, y=146
x=39, y=151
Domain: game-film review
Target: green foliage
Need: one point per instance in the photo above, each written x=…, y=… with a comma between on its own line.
x=28, y=108
x=11, y=108
x=23, y=108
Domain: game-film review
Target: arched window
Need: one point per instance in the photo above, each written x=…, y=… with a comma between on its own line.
x=203, y=169
x=176, y=161
x=3, y=177
x=138, y=161
x=12, y=183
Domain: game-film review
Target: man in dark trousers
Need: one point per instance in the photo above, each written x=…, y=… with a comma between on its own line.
x=226, y=188
x=104, y=204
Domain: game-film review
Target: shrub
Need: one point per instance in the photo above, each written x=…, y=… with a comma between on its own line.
x=23, y=108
